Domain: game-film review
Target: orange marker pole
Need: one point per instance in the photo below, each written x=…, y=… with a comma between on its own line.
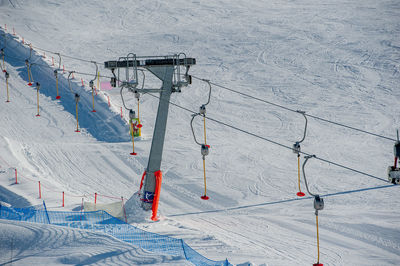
x=16, y=176
x=95, y=197
x=52, y=61
x=63, y=199
x=40, y=191
x=157, y=192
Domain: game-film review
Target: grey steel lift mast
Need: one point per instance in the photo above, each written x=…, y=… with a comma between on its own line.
x=168, y=70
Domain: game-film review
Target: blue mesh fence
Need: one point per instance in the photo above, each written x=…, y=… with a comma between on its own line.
x=104, y=222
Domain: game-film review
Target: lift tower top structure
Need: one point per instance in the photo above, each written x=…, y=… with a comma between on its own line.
x=173, y=72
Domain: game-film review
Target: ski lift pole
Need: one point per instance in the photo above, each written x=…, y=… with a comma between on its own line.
x=137, y=96
x=76, y=107
x=132, y=116
x=204, y=152
x=29, y=71
x=37, y=92
x=56, y=76
x=296, y=150
x=91, y=84
x=59, y=61
x=2, y=55
x=8, y=96
x=318, y=206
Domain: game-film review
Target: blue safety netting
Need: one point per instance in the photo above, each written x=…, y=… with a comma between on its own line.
x=104, y=222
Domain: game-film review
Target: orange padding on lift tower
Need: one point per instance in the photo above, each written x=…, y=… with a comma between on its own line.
x=141, y=181
x=157, y=191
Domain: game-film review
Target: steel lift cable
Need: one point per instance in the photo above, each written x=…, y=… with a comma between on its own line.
x=293, y=110
x=277, y=143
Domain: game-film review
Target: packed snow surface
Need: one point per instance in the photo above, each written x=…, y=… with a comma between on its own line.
x=338, y=60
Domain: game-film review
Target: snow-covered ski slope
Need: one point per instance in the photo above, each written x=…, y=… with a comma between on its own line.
x=338, y=60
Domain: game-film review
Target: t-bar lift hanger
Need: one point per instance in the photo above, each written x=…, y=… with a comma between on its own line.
x=297, y=149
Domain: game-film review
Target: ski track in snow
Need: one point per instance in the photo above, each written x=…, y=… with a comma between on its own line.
x=337, y=60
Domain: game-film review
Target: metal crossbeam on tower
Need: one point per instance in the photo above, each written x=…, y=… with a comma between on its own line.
x=168, y=70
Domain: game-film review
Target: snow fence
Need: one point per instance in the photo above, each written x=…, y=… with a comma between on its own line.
x=103, y=222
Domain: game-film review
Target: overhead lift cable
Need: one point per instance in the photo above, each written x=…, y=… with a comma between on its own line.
x=277, y=143
x=293, y=110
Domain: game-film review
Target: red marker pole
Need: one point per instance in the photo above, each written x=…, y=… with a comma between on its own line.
x=95, y=197
x=52, y=61
x=121, y=112
x=40, y=191
x=109, y=104
x=16, y=176
x=83, y=85
x=13, y=31
x=63, y=199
